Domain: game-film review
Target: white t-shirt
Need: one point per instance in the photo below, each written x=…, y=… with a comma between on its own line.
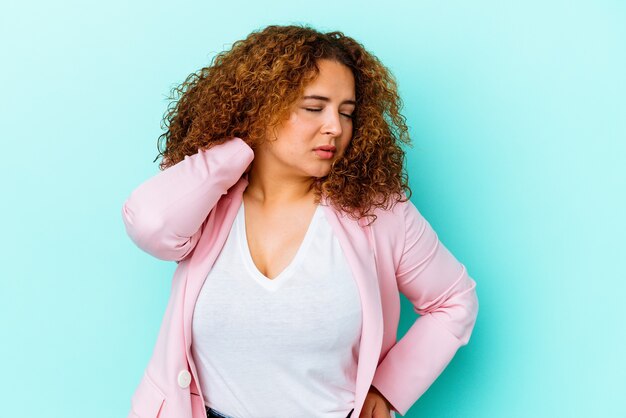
x=279, y=348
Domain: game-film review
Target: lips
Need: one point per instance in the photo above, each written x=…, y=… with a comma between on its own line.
x=328, y=148
x=325, y=152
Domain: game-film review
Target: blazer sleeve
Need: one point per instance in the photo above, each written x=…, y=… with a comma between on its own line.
x=444, y=296
x=164, y=215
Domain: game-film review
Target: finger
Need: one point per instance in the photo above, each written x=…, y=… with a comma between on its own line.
x=367, y=410
x=381, y=410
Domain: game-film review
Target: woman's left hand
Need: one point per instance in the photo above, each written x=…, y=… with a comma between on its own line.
x=375, y=406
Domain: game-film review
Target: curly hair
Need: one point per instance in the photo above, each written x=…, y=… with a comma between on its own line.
x=252, y=86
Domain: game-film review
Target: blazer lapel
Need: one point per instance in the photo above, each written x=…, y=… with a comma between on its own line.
x=360, y=256
x=205, y=254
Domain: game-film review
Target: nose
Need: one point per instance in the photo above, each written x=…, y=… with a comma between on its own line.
x=332, y=124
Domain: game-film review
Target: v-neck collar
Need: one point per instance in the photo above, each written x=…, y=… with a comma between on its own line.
x=288, y=271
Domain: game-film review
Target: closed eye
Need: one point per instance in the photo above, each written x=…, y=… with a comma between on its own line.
x=319, y=110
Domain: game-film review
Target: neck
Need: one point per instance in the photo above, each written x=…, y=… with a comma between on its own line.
x=271, y=187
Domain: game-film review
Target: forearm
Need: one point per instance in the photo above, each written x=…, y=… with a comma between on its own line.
x=414, y=363
x=164, y=214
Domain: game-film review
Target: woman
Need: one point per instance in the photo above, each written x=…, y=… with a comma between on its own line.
x=282, y=199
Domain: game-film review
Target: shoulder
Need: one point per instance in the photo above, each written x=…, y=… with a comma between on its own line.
x=395, y=223
x=400, y=230
x=397, y=215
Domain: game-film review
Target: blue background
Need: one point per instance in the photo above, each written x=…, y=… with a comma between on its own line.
x=517, y=111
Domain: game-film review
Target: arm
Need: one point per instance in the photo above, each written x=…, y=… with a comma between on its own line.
x=164, y=215
x=444, y=296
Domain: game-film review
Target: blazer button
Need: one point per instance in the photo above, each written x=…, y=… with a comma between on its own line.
x=184, y=379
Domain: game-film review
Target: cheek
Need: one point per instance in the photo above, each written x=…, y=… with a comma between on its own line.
x=293, y=118
x=346, y=142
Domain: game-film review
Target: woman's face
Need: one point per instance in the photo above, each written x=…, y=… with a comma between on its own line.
x=319, y=127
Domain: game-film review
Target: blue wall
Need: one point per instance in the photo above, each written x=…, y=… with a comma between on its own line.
x=518, y=115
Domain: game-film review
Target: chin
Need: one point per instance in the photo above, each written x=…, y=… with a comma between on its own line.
x=317, y=170
x=320, y=173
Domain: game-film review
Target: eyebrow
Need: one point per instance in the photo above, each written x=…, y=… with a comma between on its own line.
x=326, y=99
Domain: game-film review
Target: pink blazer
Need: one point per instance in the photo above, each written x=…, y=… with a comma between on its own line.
x=184, y=214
